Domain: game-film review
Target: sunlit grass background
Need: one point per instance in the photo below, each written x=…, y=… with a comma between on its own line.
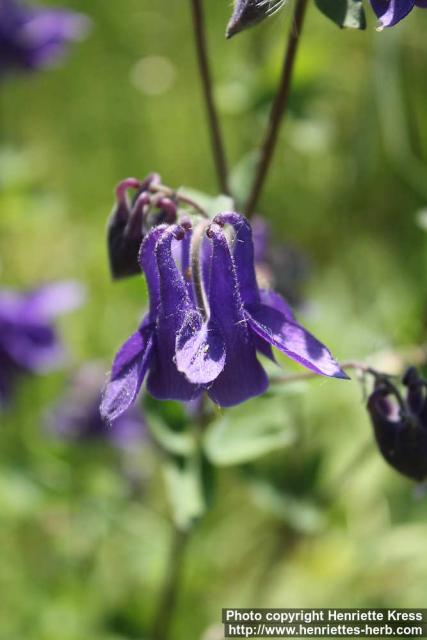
x=82, y=552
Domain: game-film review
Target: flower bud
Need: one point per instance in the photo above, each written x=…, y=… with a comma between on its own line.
x=247, y=13
x=400, y=424
x=123, y=235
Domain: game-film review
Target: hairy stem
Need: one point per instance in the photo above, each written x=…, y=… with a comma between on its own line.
x=170, y=589
x=206, y=79
x=279, y=107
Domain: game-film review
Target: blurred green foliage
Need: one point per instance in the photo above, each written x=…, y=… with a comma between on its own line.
x=320, y=522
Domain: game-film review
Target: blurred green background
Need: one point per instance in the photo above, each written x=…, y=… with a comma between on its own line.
x=320, y=522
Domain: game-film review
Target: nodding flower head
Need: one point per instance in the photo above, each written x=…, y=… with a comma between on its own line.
x=207, y=321
x=247, y=13
x=35, y=37
x=400, y=423
x=390, y=12
x=28, y=340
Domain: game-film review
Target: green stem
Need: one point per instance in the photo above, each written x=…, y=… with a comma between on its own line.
x=168, y=595
x=279, y=107
x=206, y=79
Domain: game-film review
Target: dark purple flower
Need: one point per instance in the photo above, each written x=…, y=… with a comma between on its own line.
x=28, y=340
x=400, y=424
x=35, y=37
x=77, y=417
x=206, y=323
x=390, y=12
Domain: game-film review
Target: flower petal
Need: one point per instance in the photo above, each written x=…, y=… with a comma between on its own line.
x=148, y=264
x=390, y=12
x=242, y=377
x=243, y=255
x=52, y=300
x=128, y=372
x=272, y=299
x=200, y=350
x=165, y=382
x=293, y=340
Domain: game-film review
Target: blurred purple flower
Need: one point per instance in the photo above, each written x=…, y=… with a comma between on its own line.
x=390, y=12
x=28, y=341
x=278, y=266
x=77, y=416
x=205, y=324
x=35, y=37
x=400, y=424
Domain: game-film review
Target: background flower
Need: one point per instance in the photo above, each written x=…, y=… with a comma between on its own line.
x=36, y=37
x=28, y=339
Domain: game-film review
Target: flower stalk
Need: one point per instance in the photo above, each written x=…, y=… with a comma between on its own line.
x=279, y=107
x=168, y=595
x=217, y=143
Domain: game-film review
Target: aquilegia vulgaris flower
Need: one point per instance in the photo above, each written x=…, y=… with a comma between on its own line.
x=400, y=424
x=76, y=417
x=207, y=321
x=390, y=12
x=35, y=37
x=28, y=340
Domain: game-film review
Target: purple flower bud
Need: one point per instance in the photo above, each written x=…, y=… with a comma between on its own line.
x=129, y=222
x=124, y=231
x=400, y=424
x=247, y=13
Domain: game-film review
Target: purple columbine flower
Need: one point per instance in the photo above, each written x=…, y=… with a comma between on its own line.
x=28, y=340
x=77, y=417
x=390, y=12
x=400, y=423
x=35, y=37
x=207, y=321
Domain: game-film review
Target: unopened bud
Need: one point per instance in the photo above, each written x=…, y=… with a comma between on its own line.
x=249, y=12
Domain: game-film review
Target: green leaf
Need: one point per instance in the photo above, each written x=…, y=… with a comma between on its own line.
x=184, y=483
x=168, y=423
x=300, y=513
x=347, y=14
x=174, y=442
x=249, y=431
x=211, y=204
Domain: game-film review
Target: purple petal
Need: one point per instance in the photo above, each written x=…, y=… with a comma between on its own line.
x=293, y=340
x=243, y=255
x=242, y=377
x=46, y=34
x=128, y=372
x=390, y=12
x=148, y=263
x=200, y=350
x=53, y=299
x=272, y=299
x=165, y=382
x=34, y=347
x=261, y=239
